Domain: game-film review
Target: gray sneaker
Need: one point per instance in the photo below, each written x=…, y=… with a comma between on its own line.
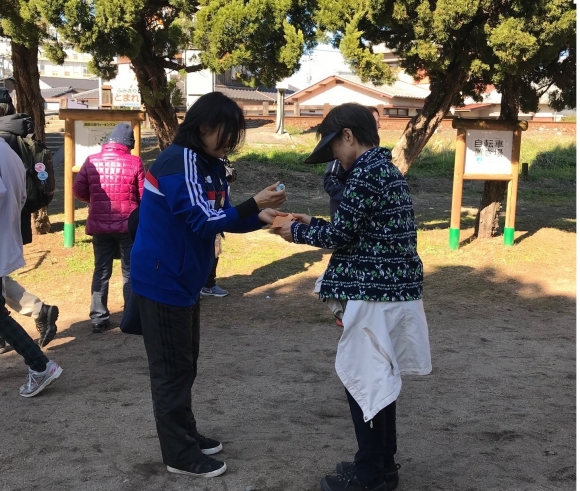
x=214, y=291
x=37, y=381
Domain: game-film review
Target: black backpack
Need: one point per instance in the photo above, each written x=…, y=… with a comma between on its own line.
x=37, y=159
x=16, y=129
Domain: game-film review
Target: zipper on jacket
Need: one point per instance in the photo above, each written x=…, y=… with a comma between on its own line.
x=157, y=267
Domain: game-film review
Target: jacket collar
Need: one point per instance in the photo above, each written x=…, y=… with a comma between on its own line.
x=116, y=147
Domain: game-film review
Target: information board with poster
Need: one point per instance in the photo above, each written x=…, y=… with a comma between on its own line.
x=489, y=150
x=89, y=136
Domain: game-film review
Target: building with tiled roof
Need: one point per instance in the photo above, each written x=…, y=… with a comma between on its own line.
x=78, y=84
x=398, y=99
x=490, y=107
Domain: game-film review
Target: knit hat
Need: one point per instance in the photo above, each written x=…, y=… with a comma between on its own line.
x=123, y=134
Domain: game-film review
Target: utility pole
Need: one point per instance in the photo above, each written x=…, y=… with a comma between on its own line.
x=281, y=87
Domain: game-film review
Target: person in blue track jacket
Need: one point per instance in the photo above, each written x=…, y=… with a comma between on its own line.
x=185, y=205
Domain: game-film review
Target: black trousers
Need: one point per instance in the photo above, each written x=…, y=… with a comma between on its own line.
x=377, y=442
x=171, y=337
x=14, y=334
x=105, y=248
x=210, y=282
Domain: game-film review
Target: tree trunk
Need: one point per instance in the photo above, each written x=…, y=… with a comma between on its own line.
x=421, y=127
x=29, y=100
x=494, y=192
x=26, y=77
x=152, y=81
x=40, y=222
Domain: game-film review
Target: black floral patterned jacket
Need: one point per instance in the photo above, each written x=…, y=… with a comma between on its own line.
x=373, y=235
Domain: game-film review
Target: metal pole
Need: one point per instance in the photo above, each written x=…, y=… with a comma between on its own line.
x=280, y=112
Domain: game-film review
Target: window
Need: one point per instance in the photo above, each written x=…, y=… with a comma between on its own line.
x=75, y=56
x=106, y=97
x=398, y=112
x=66, y=73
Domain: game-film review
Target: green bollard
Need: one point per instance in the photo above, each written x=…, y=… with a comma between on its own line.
x=69, y=234
x=454, y=238
x=508, y=236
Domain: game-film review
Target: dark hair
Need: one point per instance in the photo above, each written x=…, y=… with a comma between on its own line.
x=374, y=109
x=211, y=111
x=356, y=117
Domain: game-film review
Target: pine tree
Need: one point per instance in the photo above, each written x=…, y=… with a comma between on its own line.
x=265, y=38
x=21, y=22
x=523, y=47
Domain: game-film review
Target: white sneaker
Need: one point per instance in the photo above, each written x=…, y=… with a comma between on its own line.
x=37, y=381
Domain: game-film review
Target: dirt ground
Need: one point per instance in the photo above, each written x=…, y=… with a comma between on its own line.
x=498, y=412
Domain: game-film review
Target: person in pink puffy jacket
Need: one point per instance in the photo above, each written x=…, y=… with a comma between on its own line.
x=111, y=181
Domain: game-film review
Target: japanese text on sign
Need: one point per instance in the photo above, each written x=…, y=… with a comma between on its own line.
x=488, y=152
x=126, y=96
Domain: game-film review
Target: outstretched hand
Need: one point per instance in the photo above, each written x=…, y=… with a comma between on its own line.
x=267, y=215
x=302, y=218
x=269, y=197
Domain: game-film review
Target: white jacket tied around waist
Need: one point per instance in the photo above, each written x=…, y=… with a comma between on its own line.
x=12, y=199
x=381, y=341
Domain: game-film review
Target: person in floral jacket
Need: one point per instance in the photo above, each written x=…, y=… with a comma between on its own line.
x=376, y=268
x=111, y=181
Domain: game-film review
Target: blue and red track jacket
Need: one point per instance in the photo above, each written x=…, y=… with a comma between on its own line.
x=174, y=247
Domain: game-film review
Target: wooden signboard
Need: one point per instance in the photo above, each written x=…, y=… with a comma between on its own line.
x=84, y=131
x=489, y=150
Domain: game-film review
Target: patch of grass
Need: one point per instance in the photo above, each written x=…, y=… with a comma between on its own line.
x=293, y=130
x=550, y=158
x=547, y=197
x=436, y=159
x=292, y=160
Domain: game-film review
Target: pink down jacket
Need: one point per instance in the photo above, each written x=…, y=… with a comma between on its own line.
x=112, y=183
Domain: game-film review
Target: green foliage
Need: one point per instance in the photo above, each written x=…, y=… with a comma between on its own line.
x=109, y=28
x=490, y=40
x=22, y=21
x=263, y=38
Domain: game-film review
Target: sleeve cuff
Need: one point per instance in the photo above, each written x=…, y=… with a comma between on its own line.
x=247, y=209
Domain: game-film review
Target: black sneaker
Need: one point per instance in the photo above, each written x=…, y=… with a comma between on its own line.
x=100, y=327
x=46, y=324
x=342, y=483
x=346, y=469
x=204, y=467
x=208, y=446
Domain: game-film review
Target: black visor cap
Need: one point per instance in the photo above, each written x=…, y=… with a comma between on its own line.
x=322, y=152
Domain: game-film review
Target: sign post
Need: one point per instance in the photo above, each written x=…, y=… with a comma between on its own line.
x=84, y=132
x=487, y=150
